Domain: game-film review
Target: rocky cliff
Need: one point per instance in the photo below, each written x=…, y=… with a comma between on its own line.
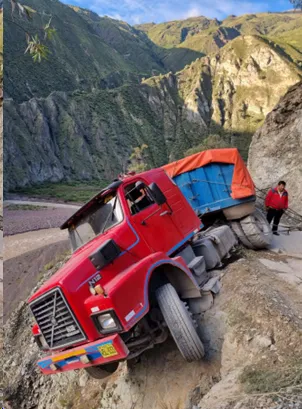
x=79, y=115
x=89, y=135
x=276, y=149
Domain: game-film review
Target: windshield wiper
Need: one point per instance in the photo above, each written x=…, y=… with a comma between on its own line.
x=111, y=214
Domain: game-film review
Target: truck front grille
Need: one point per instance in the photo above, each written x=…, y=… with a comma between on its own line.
x=56, y=320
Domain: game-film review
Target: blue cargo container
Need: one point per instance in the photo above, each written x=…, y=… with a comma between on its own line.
x=208, y=188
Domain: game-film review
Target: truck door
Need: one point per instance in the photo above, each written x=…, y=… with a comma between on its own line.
x=151, y=222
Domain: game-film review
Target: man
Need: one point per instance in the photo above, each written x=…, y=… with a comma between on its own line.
x=276, y=202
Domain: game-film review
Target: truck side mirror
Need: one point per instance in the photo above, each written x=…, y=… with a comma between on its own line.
x=157, y=194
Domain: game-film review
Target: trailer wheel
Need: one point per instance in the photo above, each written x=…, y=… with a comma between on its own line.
x=180, y=323
x=237, y=229
x=102, y=371
x=257, y=230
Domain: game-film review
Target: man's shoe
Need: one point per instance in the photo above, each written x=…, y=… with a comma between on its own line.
x=276, y=233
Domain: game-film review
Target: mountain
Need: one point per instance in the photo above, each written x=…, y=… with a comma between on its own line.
x=88, y=52
x=79, y=115
x=276, y=148
x=207, y=35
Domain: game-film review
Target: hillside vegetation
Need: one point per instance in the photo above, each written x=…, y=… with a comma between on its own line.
x=109, y=87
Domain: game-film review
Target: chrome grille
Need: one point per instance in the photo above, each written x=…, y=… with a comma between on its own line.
x=56, y=320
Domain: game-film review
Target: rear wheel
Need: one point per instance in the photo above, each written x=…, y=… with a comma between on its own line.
x=257, y=230
x=102, y=371
x=237, y=229
x=180, y=323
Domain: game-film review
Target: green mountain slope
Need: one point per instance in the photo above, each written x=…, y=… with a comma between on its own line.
x=174, y=33
x=207, y=36
x=90, y=135
x=135, y=46
x=79, y=59
x=88, y=52
x=79, y=115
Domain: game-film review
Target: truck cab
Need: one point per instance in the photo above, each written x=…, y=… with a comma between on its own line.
x=144, y=265
x=126, y=244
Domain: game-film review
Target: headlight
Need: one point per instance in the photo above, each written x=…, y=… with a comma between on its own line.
x=107, y=322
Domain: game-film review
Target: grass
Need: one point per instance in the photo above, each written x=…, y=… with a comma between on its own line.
x=68, y=192
x=270, y=380
x=53, y=263
x=49, y=265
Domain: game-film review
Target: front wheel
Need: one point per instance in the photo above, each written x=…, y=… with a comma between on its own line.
x=180, y=323
x=102, y=371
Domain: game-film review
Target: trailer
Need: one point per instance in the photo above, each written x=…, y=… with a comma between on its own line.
x=219, y=187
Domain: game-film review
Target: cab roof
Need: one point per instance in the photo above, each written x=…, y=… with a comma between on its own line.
x=94, y=201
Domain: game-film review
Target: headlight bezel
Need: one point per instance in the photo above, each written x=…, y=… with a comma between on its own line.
x=118, y=327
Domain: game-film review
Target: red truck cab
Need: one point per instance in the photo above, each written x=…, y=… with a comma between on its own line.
x=102, y=306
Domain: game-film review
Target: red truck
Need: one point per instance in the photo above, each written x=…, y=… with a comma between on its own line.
x=142, y=266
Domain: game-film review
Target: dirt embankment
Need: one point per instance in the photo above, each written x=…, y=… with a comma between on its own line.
x=23, y=271
x=253, y=341
x=20, y=219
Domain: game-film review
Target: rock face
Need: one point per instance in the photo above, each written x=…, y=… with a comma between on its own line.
x=109, y=87
x=276, y=149
x=89, y=135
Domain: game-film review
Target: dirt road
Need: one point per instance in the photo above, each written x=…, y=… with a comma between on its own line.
x=22, y=216
x=252, y=337
x=40, y=203
x=254, y=320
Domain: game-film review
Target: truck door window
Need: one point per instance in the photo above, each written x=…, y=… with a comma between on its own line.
x=138, y=199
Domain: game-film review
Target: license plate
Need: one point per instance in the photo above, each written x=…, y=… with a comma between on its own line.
x=107, y=350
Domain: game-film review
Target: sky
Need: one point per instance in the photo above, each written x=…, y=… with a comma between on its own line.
x=145, y=11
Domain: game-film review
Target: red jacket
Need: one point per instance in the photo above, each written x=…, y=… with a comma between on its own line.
x=274, y=200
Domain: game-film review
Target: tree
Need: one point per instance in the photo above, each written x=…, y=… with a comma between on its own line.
x=138, y=159
x=36, y=46
x=296, y=3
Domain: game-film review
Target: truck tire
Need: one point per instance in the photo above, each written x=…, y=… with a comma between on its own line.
x=180, y=323
x=102, y=371
x=237, y=229
x=257, y=230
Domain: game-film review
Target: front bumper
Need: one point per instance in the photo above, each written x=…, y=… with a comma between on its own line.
x=100, y=352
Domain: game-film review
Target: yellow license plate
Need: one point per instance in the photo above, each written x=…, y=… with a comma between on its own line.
x=107, y=350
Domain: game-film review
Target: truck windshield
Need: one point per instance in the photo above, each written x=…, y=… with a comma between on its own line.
x=100, y=219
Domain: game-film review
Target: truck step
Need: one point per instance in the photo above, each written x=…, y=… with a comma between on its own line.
x=187, y=254
x=205, y=247
x=198, y=268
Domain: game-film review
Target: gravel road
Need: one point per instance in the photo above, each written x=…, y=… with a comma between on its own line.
x=20, y=221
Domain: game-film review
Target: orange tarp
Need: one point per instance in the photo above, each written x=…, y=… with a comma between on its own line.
x=242, y=183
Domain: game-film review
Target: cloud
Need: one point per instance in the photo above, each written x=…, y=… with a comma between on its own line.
x=194, y=11
x=142, y=11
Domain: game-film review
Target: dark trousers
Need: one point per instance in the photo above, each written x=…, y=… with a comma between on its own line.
x=275, y=215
